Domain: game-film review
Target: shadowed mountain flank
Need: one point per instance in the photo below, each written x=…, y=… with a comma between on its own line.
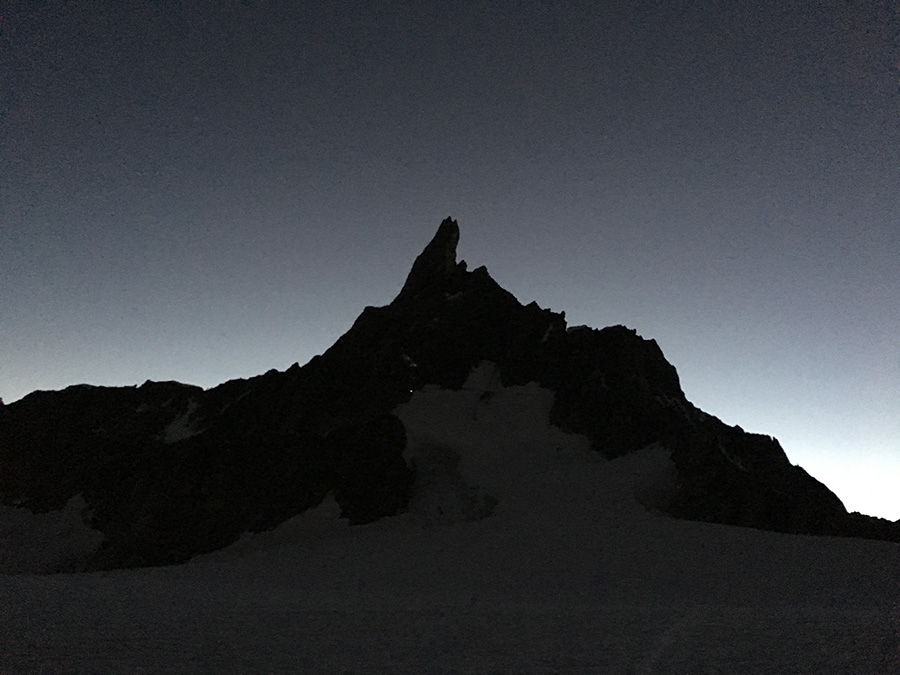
x=168, y=470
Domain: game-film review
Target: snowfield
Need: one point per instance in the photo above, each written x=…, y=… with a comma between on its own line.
x=522, y=552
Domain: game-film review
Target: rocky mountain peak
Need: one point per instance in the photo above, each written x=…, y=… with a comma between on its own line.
x=169, y=471
x=436, y=264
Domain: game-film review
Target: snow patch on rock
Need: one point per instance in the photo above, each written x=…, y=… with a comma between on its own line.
x=181, y=427
x=485, y=446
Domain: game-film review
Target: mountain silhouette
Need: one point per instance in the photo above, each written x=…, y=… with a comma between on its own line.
x=167, y=471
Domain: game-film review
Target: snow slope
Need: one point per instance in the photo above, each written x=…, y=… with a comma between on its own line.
x=45, y=543
x=523, y=552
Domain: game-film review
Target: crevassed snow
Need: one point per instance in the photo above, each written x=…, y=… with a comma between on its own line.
x=568, y=573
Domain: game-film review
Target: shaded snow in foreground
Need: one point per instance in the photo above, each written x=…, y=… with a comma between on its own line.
x=47, y=542
x=568, y=574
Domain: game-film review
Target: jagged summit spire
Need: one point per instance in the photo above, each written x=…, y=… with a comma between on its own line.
x=436, y=263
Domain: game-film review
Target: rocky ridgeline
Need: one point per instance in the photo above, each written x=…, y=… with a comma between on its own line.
x=170, y=470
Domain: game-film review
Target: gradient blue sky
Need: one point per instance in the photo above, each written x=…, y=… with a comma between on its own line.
x=200, y=191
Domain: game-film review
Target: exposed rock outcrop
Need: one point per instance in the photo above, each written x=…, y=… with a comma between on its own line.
x=436, y=264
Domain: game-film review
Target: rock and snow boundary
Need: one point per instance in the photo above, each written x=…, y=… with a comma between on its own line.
x=487, y=448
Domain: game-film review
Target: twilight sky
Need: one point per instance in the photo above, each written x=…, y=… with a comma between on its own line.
x=205, y=190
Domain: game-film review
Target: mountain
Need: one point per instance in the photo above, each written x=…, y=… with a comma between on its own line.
x=166, y=471
x=521, y=550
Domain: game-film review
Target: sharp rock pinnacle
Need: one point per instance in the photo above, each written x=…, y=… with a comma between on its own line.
x=436, y=263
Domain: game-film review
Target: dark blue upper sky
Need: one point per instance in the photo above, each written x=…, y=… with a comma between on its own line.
x=206, y=190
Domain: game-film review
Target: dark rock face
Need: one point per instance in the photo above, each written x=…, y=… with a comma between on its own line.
x=436, y=264
x=55, y=443
x=372, y=480
x=733, y=477
x=171, y=470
